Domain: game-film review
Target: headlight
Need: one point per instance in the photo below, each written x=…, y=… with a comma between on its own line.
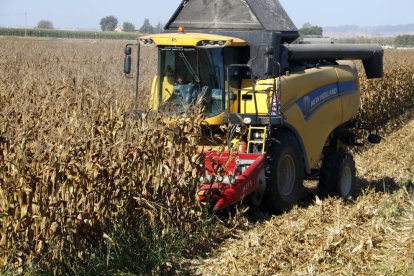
x=247, y=120
x=257, y=136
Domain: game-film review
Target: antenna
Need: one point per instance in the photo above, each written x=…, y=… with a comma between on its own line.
x=25, y=24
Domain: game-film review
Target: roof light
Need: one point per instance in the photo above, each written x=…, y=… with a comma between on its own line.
x=181, y=29
x=147, y=42
x=211, y=43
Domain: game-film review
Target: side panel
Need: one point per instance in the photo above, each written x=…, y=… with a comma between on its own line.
x=348, y=89
x=314, y=108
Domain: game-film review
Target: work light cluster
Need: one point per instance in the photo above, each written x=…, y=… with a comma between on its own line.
x=148, y=42
x=211, y=43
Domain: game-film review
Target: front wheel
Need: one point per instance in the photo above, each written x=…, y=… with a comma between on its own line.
x=285, y=172
x=338, y=175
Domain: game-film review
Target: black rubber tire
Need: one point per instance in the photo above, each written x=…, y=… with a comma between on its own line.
x=284, y=173
x=338, y=175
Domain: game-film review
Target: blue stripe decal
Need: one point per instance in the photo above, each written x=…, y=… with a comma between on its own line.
x=319, y=97
x=346, y=87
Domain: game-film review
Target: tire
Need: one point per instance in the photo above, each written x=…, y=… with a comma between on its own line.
x=338, y=175
x=285, y=173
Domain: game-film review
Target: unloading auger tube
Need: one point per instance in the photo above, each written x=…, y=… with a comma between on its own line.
x=370, y=55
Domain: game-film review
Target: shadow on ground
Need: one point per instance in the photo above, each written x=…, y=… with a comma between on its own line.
x=386, y=185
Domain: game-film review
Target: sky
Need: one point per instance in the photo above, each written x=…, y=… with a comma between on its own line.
x=86, y=14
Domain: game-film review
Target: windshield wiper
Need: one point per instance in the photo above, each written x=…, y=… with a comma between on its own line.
x=187, y=63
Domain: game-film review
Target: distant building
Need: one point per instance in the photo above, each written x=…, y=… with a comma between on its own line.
x=118, y=29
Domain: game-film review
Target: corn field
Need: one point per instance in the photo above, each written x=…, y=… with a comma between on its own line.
x=65, y=34
x=385, y=100
x=74, y=162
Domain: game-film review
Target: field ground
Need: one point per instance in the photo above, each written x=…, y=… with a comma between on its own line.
x=84, y=188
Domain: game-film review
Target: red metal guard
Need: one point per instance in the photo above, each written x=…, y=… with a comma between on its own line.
x=230, y=177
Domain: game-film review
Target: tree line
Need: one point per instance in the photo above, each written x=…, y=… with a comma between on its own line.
x=310, y=30
x=404, y=40
x=398, y=41
x=110, y=23
x=401, y=40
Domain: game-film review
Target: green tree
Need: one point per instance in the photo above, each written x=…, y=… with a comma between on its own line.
x=45, y=24
x=404, y=40
x=146, y=27
x=159, y=28
x=309, y=29
x=128, y=27
x=108, y=23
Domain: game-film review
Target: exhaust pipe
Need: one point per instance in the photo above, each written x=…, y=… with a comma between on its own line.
x=370, y=55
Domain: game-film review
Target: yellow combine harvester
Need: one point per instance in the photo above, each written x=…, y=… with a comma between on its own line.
x=292, y=107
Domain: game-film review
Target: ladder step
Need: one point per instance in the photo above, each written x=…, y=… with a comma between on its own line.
x=256, y=142
x=260, y=141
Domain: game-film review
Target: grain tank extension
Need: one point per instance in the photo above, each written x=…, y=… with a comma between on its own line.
x=291, y=108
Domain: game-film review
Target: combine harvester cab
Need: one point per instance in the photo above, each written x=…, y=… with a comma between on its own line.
x=297, y=103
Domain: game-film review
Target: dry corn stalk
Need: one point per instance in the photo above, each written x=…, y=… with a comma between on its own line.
x=73, y=160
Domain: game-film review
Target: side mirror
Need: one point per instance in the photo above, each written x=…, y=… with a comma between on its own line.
x=128, y=51
x=127, y=61
x=269, y=64
x=269, y=60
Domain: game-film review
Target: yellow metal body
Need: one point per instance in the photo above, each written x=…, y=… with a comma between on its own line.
x=315, y=128
x=335, y=100
x=314, y=101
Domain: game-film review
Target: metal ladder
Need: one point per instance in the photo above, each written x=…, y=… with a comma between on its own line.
x=262, y=140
